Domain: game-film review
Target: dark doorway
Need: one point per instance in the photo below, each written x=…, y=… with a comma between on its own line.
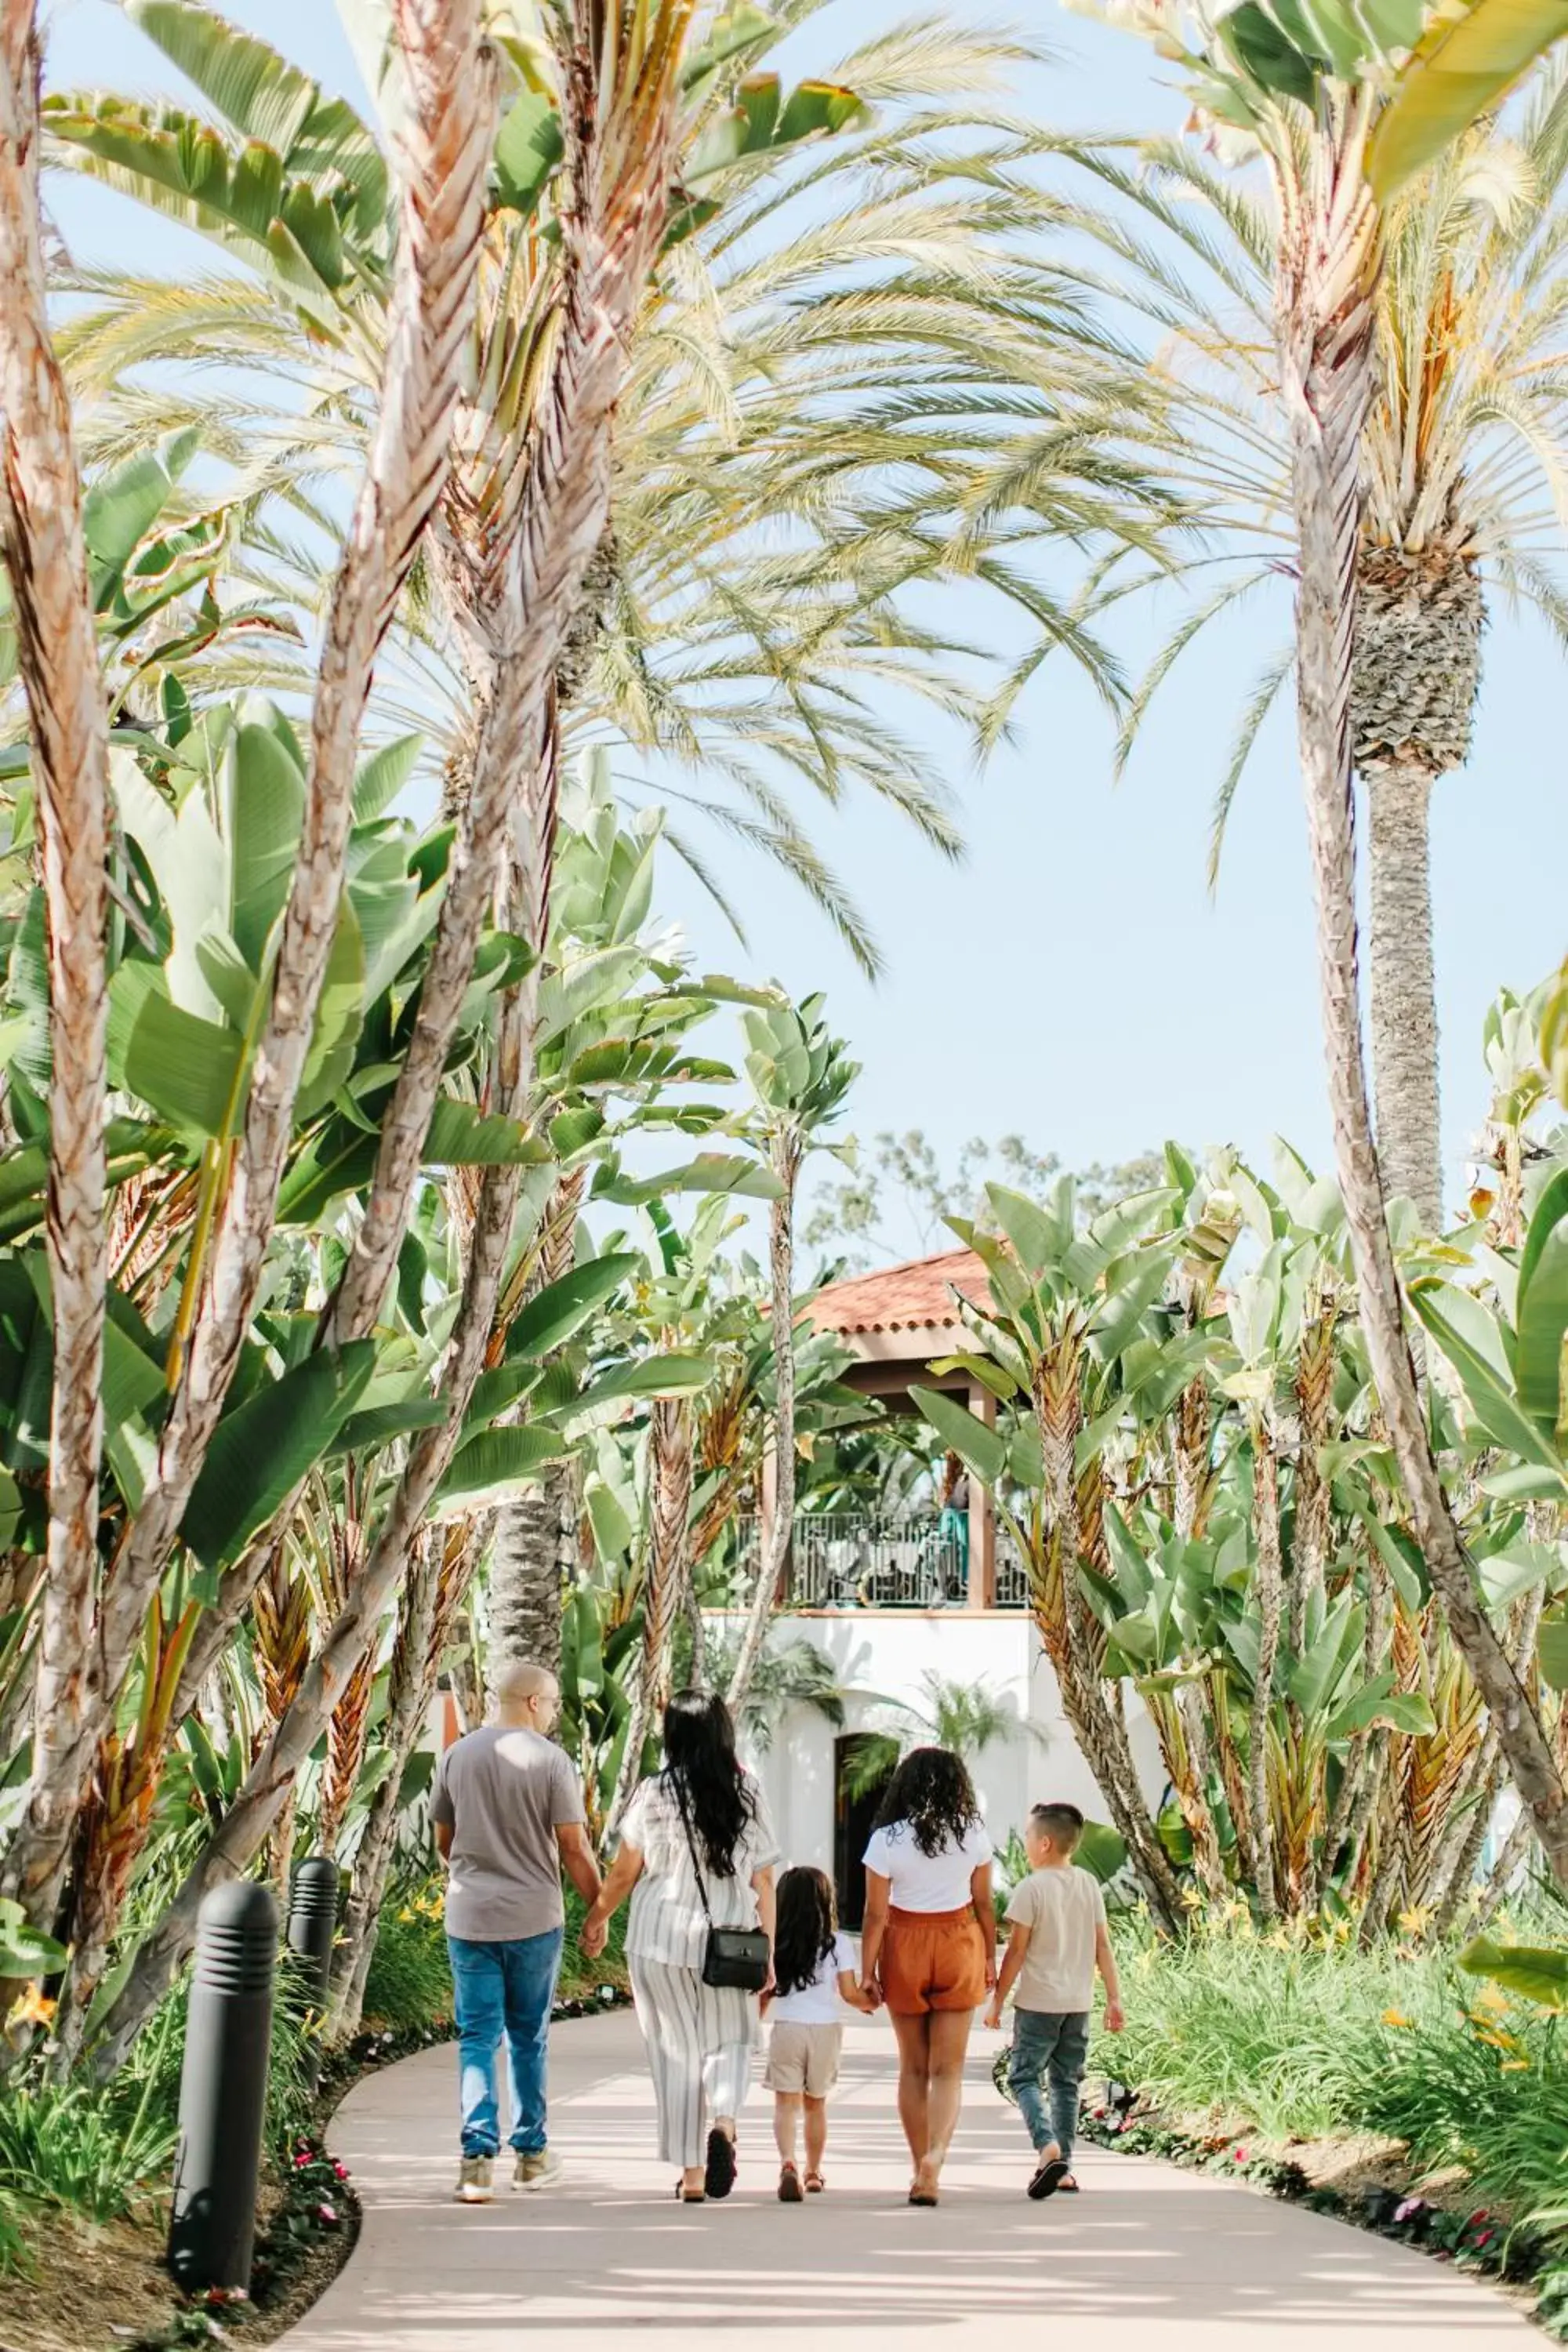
x=855, y=1800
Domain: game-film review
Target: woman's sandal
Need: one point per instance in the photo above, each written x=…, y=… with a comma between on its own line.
x=721, y=2177
x=790, y=2191
x=922, y=2192
x=815, y=2184
x=685, y=2196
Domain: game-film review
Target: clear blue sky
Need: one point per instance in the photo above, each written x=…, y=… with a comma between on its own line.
x=1073, y=982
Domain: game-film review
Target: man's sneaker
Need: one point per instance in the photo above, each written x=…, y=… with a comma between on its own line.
x=541, y=2170
x=476, y=2180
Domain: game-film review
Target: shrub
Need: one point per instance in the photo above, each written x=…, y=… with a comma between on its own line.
x=408, y=1988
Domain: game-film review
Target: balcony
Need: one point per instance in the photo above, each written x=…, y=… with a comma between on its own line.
x=871, y=1561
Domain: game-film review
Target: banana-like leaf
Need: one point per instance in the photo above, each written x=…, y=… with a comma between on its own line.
x=1465, y=63
x=461, y=1137
x=1539, y=1971
x=528, y=148
x=710, y=1172
x=560, y=1310
x=677, y=1374
x=1553, y=1649
x=983, y=1451
x=1470, y=1338
x=495, y=1463
x=261, y=1450
x=1101, y=1850
x=1541, y=1310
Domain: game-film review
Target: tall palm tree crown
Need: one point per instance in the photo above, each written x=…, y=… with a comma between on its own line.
x=1465, y=496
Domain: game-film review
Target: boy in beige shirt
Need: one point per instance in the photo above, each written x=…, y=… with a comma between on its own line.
x=1059, y=1939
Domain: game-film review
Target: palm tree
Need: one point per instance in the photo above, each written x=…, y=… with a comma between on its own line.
x=820, y=381
x=1464, y=475
x=1336, y=144
x=801, y=1075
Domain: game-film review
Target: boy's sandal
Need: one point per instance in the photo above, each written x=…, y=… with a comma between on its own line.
x=789, y=2186
x=815, y=2184
x=1067, y=2188
x=1048, y=2178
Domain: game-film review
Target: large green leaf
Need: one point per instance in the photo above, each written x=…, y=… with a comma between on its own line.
x=528, y=147
x=1101, y=1850
x=495, y=1463
x=676, y=1374
x=562, y=1308
x=1553, y=1649
x=261, y=1450
x=124, y=503
x=1540, y=1313
x=187, y=1070
x=983, y=1450
x=1468, y=1337
x=1538, y=1971
x=461, y=1137
x=1465, y=62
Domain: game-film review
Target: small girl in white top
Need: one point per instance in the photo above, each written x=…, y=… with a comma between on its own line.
x=814, y=1975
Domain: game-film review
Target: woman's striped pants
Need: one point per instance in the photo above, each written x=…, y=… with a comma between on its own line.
x=700, y=2039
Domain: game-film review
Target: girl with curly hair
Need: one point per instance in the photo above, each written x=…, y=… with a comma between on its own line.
x=928, y=1943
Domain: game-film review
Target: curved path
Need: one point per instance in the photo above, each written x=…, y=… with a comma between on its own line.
x=1147, y=2260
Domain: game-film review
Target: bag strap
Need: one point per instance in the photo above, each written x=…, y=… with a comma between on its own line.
x=691, y=1846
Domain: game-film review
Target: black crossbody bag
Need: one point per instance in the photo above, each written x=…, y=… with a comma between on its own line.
x=736, y=1957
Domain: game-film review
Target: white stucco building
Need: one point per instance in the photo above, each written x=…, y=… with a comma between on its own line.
x=894, y=1605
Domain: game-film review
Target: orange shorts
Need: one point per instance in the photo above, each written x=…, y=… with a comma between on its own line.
x=932, y=1960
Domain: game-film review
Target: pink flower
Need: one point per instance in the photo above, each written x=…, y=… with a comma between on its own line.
x=341, y=2170
x=1409, y=2209
x=328, y=2214
x=1241, y=2155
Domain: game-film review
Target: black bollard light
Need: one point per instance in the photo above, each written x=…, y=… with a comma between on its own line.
x=312, y=1923
x=223, y=2088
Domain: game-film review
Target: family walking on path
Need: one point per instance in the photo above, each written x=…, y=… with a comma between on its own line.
x=717, y=1942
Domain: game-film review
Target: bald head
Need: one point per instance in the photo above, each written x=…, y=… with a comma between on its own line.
x=527, y=1695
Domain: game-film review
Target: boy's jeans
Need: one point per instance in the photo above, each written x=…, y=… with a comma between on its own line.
x=503, y=1989
x=1052, y=2040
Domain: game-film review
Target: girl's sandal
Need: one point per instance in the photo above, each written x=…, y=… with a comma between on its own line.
x=815, y=2184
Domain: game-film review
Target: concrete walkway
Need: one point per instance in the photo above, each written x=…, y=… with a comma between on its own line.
x=1148, y=2257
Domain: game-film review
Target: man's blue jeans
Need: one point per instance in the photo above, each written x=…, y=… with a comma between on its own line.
x=1053, y=2043
x=504, y=1988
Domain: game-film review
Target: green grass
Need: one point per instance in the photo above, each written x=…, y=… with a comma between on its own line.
x=1297, y=2039
x=409, y=1987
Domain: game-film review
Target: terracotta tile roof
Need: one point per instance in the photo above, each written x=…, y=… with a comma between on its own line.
x=901, y=1297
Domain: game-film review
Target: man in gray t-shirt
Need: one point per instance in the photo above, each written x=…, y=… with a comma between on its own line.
x=508, y=1812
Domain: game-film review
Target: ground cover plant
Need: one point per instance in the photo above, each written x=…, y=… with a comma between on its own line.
x=1389, y=2083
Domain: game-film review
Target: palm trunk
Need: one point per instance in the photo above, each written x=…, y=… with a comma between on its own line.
x=529, y=1563
x=787, y=1157
x=453, y=83
x=535, y=1539
x=1327, y=277
x=46, y=559
x=1403, y=991
x=670, y=1479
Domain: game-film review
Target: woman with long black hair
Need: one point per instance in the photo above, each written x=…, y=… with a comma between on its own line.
x=928, y=1943
x=697, y=1852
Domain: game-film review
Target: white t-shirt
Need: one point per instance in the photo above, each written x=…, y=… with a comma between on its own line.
x=818, y=2003
x=927, y=1881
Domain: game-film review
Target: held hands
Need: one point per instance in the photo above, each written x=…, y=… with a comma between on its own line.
x=591, y=1938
